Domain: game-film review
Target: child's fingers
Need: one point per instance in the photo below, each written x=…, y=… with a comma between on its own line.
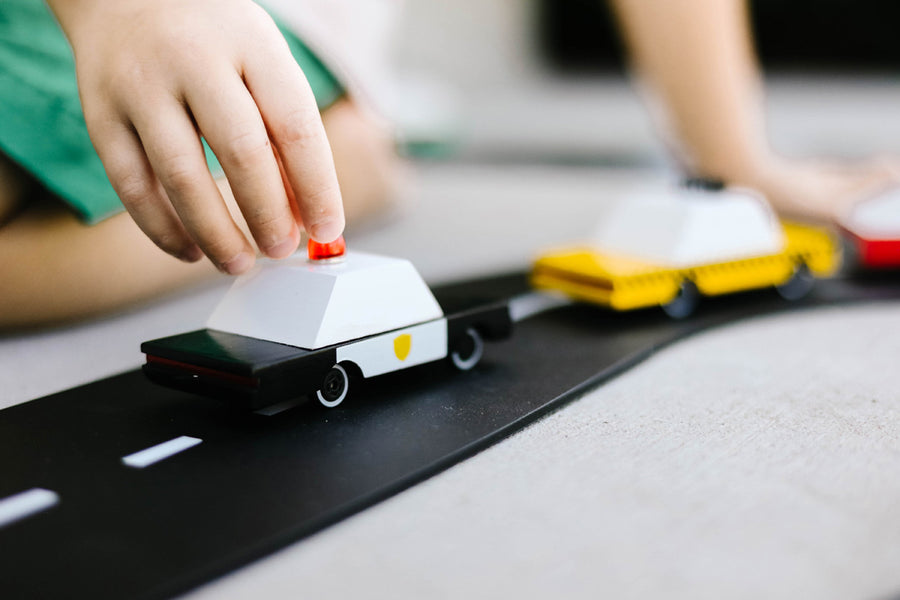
x=230, y=121
x=174, y=150
x=133, y=179
x=289, y=111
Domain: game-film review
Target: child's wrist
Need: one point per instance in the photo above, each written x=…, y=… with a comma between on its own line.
x=738, y=167
x=71, y=16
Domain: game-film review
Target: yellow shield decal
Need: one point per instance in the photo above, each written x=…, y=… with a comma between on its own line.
x=402, y=344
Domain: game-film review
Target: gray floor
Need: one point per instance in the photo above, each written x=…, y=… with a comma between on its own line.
x=755, y=460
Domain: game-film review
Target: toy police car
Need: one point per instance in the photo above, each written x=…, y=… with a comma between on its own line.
x=301, y=327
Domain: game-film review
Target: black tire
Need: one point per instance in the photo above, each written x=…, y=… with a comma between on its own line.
x=684, y=304
x=467, y=350
x=335, y=386
x=799, y=285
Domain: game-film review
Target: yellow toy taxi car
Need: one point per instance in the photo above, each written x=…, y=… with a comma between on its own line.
x=669, y=249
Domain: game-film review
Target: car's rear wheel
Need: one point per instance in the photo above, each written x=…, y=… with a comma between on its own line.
x=335, y=386
x=467, y=350
x=684, y=303
x=799, y=285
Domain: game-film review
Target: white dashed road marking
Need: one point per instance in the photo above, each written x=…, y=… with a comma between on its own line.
x=25, y=504
x=154, y=454
x=529, y=304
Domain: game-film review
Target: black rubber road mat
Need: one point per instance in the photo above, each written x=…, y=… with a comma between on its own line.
x=256, y=483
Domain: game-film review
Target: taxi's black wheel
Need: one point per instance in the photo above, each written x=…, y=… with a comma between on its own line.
x=799, y=285
x=467, y=350
x=685, y=302
x=335, y=386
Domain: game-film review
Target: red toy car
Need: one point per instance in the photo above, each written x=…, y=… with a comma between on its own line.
x=873, y=231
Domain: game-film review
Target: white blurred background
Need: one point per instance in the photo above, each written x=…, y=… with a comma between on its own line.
x=833, y=77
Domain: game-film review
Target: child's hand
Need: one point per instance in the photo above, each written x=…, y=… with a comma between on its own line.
x=155, y=75
x=820, y=190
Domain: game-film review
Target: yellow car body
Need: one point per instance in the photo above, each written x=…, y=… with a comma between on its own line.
x=624, y=283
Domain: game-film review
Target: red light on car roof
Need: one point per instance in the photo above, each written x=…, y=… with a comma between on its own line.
x=319, y=251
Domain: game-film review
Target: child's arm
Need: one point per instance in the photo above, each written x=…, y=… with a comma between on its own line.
x=697, y=59
x=155, y=75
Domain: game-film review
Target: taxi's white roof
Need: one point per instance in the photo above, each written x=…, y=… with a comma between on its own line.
x=684, y=227
x=311, y=305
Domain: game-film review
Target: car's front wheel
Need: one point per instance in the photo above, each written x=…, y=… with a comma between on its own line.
x=335, y=386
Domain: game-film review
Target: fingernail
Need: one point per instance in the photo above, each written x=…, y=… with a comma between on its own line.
x=238, y=264
x=326, y=232
x=282, y=249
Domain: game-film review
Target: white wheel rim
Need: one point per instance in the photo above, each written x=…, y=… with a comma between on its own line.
x=339, y=399
x=466, y=364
